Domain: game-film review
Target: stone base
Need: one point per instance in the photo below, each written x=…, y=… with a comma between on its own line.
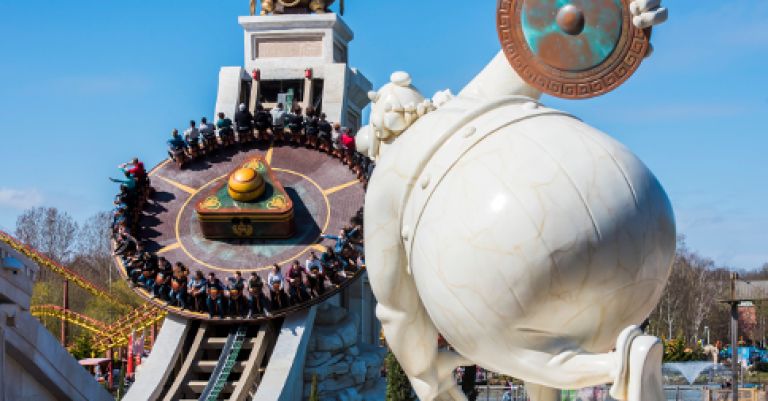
x=344, y=367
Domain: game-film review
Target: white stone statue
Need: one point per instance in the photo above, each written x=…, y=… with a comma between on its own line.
x=531, y=241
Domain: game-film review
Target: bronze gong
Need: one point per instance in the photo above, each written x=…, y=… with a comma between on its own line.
x=571, y=48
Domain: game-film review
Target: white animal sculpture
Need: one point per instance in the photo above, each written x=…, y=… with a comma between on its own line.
x=531, y=241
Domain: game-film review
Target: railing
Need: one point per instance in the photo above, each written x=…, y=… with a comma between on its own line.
x=745, y=394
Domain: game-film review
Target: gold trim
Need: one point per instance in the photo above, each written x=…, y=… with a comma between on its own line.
x=319, y=247
x=340, y=187
x=178, y=185
x=175, y=245
x=158, y=167
x=268, y=157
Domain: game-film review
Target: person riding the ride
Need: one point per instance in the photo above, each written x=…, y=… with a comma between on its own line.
x=263, y=122
x=278, y=122
x=226, y=134
x=235, y=289
x=177, y=148
x=208, y=131
x=296, y=288
x=256, y=300
x=178, y=294
x=296, y=125
x=325, y=129
x=277, y=296
x=311, y=127
x=215, y=299
x=196, y=289
x=244, y=122
x=192, y=136
x=315, y=276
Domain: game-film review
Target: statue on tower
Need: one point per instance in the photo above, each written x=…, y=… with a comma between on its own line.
x=295, y=6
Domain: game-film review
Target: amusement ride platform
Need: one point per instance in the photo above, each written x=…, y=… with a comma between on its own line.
x=324, y=193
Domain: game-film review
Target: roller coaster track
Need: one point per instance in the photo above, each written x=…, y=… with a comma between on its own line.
x=118, y=333
x=57, y=268
x=105, y=336
x=94, y=326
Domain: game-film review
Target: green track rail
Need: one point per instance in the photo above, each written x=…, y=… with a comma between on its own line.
x=224, y=367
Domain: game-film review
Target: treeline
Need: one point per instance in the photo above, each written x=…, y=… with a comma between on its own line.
x=691, y=306
x=84, y=248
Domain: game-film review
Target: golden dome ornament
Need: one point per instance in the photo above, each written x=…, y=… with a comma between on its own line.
x=246, y=185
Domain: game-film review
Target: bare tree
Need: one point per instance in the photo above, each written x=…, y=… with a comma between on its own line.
x=49, y=231
x=93, y=236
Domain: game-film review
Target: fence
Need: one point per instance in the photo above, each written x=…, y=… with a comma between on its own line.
x=745, y=394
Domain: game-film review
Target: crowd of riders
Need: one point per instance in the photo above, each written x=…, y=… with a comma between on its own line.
x=135, y=191
x=250, y=296
x=296, y=127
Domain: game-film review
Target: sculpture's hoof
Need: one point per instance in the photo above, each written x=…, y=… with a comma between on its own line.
x=623, y=342
x=645, y=380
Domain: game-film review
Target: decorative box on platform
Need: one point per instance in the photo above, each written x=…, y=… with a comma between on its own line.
x=250, y=204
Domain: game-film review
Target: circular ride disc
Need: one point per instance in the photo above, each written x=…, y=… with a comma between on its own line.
x=571, y=49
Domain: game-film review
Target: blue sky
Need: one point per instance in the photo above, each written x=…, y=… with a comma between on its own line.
x=88, y=84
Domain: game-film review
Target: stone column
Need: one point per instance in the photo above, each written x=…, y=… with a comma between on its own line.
x=254, y=96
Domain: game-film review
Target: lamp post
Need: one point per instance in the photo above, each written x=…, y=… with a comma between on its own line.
x=706, y=329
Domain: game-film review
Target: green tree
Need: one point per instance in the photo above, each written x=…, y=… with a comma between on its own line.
x=82, y=347
x=398, y=386
x=313, y=394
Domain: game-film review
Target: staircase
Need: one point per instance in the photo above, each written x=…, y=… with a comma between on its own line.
x=223, y=362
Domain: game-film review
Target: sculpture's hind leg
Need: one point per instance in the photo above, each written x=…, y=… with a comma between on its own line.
x=408, y=329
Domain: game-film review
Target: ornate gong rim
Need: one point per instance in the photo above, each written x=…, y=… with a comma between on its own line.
x=625, y=59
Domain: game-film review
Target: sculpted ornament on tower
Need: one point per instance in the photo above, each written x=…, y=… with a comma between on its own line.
x=295, y=6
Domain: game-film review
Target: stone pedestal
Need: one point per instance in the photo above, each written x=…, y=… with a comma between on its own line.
x=345, y=367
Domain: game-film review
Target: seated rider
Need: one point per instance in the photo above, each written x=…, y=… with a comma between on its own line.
x=208, y=131
x=244, y=122
x=324, y=134
x=262, y=120
x=278, y=298
x=128, y=181
x=235, y=288
x=256, y=300
x=311, y=127
x=342, y=239
x=296, y=125
x=215, y=292
x=196, y=290
x=136, y=169
x=178, y=293
x=226, y=135
x=296, y=288
x=315, y=276
x=176, y=145
x=192, y=136
x=162, y=286
x=278, y=122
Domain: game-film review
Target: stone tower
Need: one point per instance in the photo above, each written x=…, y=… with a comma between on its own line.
x=299, y=59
